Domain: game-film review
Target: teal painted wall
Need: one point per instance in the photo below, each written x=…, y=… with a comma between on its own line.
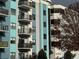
x=13, y=4
x=44, y=30
x=12, y=19
x=34, y=27
x=13, y=32
x=13, y=48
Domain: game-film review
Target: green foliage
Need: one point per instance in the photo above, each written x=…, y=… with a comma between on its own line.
x=42, y=54
x=68, y=55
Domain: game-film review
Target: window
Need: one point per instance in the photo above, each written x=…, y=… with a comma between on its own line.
x=13, y=11
x=13, y=40
x=5, y=27
x=45, y=47
x=33, y=4
x=52, y=21
x=2, y=4
x=44, y=12
x=30, y=17
x=34, y=30
x=2, y=18
x=44, y=24
x=2, y=50
x=12, y=55
x=13, y=25
x=44, y=36
x=33, y=16
x=21, y=15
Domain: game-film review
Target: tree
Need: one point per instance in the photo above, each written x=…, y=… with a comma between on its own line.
x=68, y=55
x=70, y=31
x=70, y=25
x=42, y=54
x=74, y=6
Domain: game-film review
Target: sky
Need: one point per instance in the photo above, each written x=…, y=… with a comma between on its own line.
x=64, y=2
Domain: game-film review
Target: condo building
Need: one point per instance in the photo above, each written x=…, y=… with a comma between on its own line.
x=56, y=12
x=24, y=29
x=7, y=29
x=40, y=25
x=27, y=26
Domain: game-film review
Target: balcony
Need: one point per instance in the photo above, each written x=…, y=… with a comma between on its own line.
x=3, y=28
x=23, y=55
x=2, y=18
x=24, y=47
x=55, y=21
x=3, y=44
x=24, y=5
x=3, y=11
x=3, y=0
x=57, y=10
x=24, y=33
x=24, y=21
x=55, y=32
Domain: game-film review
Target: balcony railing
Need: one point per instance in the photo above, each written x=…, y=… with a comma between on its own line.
x=25, y=3
x=55, y=32
x=24, y=32
x=3, y=28
x=23, y=56
x=28, y=17
x=25, y=45
x=3, y=44
x=3, y=0
x=3, y=11
x=24, y=20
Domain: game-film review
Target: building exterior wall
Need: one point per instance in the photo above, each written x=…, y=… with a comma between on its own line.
x=10, y=32
x=24, y=29
x=40, y=26
x=55, y=29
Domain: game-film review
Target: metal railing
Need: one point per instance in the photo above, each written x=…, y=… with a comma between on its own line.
x=24, y=30
x=3, y=44
x=25, y=45
x=26, y=3
x=3, y=11
x=3, y=0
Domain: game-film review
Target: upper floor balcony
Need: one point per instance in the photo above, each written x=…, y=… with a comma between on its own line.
x=3, y=44
x=24, y=47
x=2, y=18
x=25, y=20
x=23, y=55
x=3, y=11
x=25, y=5
x=3, y=0
x=24, y=32
x=55, y=32
x=55, y=21
x=3, y=28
